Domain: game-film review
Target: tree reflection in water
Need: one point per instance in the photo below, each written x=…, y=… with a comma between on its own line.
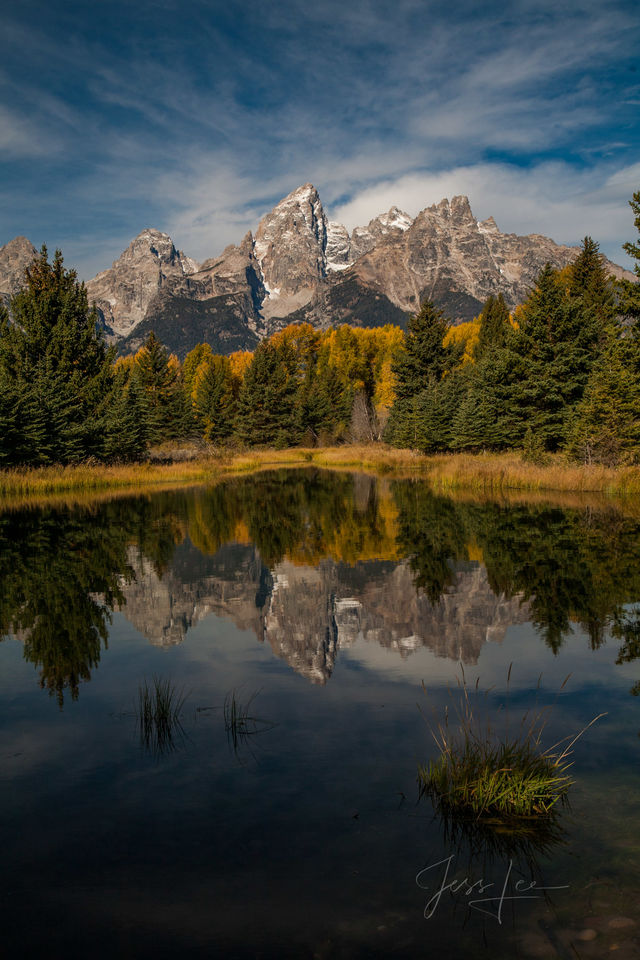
x=64, y=570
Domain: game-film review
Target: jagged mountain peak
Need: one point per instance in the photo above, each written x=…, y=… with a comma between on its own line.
x=158, y=245
x=488, y=226
x=298, y=265
x=303, y=192
x=395, y=218
x=456, y=208
x=19, y=243
x=15, y=257
x=123, y=293
x=290, y=245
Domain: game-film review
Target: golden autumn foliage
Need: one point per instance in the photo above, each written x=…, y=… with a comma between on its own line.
x=361, y=358
x=466, y=334
x=239, y=361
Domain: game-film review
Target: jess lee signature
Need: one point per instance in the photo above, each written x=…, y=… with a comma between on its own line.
x=490, y=905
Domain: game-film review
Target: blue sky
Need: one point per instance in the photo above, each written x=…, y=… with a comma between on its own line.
x=196, y=118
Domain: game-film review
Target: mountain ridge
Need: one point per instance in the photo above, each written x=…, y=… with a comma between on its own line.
x=301, y=266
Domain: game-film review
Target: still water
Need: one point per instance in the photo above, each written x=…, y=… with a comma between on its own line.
x=334, y=613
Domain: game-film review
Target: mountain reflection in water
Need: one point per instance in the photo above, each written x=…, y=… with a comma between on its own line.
x=310, y=561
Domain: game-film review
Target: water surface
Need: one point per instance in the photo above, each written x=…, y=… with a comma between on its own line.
x=346, y=607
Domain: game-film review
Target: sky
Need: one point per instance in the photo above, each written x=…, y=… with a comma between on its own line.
x=196, y=118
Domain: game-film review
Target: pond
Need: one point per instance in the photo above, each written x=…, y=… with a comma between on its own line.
x=312, y=625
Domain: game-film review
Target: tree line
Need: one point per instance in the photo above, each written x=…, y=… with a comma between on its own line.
x=65, y=397
x=561, y=373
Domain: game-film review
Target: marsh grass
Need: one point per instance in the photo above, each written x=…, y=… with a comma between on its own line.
x=159, y=709
x=239, y=723
x=482, y=473
x=38, y=481
x=503, y=776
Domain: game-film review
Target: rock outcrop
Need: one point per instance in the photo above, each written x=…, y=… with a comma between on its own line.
x=15, y=257
x=124, y=293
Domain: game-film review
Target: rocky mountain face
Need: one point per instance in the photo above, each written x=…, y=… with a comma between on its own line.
x=307, y=614
x=15, y=257
x=124, y=293
x=301, y=266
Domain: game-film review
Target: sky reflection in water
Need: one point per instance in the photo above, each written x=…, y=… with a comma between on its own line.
x=331, y=597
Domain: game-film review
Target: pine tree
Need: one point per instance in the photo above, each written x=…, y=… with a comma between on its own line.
x=418, y=370
x=630, y=292
x=494, y=327
x=55, y=358
x=266, y=412
x=606, y=425
x=425, y=357
x=554, y=351
x=127, y=436
x=213, y=398
x=159, y=377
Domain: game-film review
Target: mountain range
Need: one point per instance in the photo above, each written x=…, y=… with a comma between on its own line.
x=301, y=266
x=308, y=614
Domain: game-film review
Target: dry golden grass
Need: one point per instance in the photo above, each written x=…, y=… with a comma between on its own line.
x=482, y=474
x=88, y=477
x=496, y=473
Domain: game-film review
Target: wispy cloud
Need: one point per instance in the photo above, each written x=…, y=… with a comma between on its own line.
x=197, y=123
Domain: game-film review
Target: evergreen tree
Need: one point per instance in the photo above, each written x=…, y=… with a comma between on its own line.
x=57, y=365
x=435, y=410
x=266, y=404
x=606, y=425
x=418, y=371
x=630, y=292
x=426, y=357
x=554, y=351
x=167, y=408
x=127, y=435
x=213, y=398
x=494, y=327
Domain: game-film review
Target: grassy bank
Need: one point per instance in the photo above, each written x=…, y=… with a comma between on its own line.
x=89, y=477
x=481, y=474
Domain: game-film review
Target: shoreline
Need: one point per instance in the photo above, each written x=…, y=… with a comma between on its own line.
x=495, y=473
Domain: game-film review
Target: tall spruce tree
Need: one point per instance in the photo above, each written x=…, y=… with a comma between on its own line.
x=167, y=408
x=630, y=292
x=127, y=434
x=554, y=351
x=418, y=370
x=606, y=424
x=426, y=356
x=58, y=367
x=494, y=327
x=266, y=411
x=214, y=402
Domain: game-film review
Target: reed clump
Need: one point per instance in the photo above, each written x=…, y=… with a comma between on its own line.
x=483, y=772
x=239, y=723
x=159, y=708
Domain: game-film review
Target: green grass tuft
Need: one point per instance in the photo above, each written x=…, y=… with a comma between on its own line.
x=483, y=773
